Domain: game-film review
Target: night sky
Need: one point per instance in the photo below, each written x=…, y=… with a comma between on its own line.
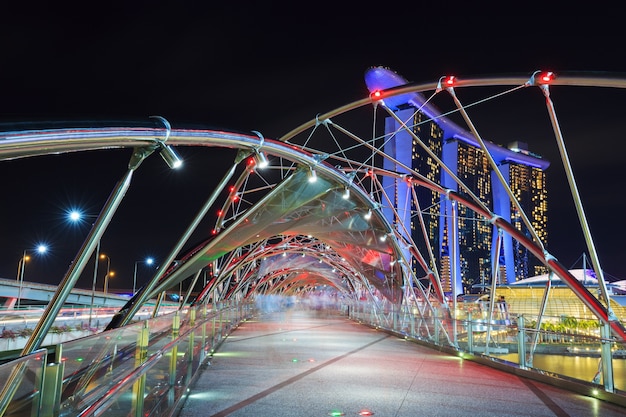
x=256, y=67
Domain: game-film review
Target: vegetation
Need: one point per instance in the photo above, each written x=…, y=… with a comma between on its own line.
x=565, y=329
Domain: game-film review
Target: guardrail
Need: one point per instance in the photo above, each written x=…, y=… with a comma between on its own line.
x=142, y=369
x=515, y=345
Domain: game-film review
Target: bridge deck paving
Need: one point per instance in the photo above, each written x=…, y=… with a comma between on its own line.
x=301, y=363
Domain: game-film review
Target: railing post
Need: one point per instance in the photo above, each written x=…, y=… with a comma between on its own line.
x=174, y=356
x=470, y=334
x=203, y=334
x=141, y=354
x=436, y=322
x=192, y=320
x=213, y=331
x=521, y=342
x=190, y=348
x=50, y=405
x=607, y=357
x=220, y=321
x=397, y=310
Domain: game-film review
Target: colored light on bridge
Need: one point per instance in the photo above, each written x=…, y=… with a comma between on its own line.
x=450, y=80
x=365, y=413
x=336, y=413
x=546, y=77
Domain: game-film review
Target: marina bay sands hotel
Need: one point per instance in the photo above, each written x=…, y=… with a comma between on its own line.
x=459, y=150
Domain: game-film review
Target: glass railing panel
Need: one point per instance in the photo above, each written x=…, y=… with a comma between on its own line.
x=565, y=346
x=105, y=372
x=160, y=330
x=22, y=381
x=93, y=364
x=157, y=388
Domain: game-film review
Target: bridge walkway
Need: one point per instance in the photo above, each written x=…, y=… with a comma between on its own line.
x=301, y=363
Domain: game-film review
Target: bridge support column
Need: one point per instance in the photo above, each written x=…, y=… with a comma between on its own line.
x=9, y=303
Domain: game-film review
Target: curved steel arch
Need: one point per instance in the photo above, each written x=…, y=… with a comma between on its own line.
x=146, y=141
x=606, y=80
x=399, y=88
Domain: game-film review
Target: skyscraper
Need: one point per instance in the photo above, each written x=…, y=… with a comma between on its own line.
x=462, y=243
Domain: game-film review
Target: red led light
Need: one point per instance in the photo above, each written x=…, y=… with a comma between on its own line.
x=546, y=77
x=450, y=80
x=365, y=413
x=376, y=95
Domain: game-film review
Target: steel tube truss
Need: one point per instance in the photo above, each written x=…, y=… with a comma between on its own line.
x=340, y=214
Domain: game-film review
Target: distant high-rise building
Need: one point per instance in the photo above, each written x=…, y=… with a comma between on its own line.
x=528, y=185
x=463, y=251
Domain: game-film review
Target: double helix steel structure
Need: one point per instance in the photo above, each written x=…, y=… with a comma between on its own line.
x=326, y=208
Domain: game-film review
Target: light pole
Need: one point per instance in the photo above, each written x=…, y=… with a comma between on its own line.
x=20, y=276
x=93, y=285
x=106, y=281
x=106, y=277
x=21, y=265
x=148, y=261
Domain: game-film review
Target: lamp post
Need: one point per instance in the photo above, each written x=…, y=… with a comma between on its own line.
x=93, y=285
x=106, y=277
x=21, y=265
x=20, y=276
x=148, y=261
x=106, y=281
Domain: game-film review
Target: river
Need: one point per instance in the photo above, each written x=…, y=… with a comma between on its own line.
x=579, y=367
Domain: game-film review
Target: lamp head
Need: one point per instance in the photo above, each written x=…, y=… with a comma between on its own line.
x=169, y=156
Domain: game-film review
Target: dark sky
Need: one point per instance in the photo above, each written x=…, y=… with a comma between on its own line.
x=257, y=67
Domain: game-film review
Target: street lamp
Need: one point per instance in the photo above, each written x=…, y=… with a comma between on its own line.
x=106, y=281
x=106, y=277
x=20, y=270
x=147, y=261
x=74, y=216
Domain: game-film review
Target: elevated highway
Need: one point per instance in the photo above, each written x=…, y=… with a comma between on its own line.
x=40, y=294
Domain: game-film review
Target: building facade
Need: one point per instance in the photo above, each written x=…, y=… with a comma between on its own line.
x=462, y=244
